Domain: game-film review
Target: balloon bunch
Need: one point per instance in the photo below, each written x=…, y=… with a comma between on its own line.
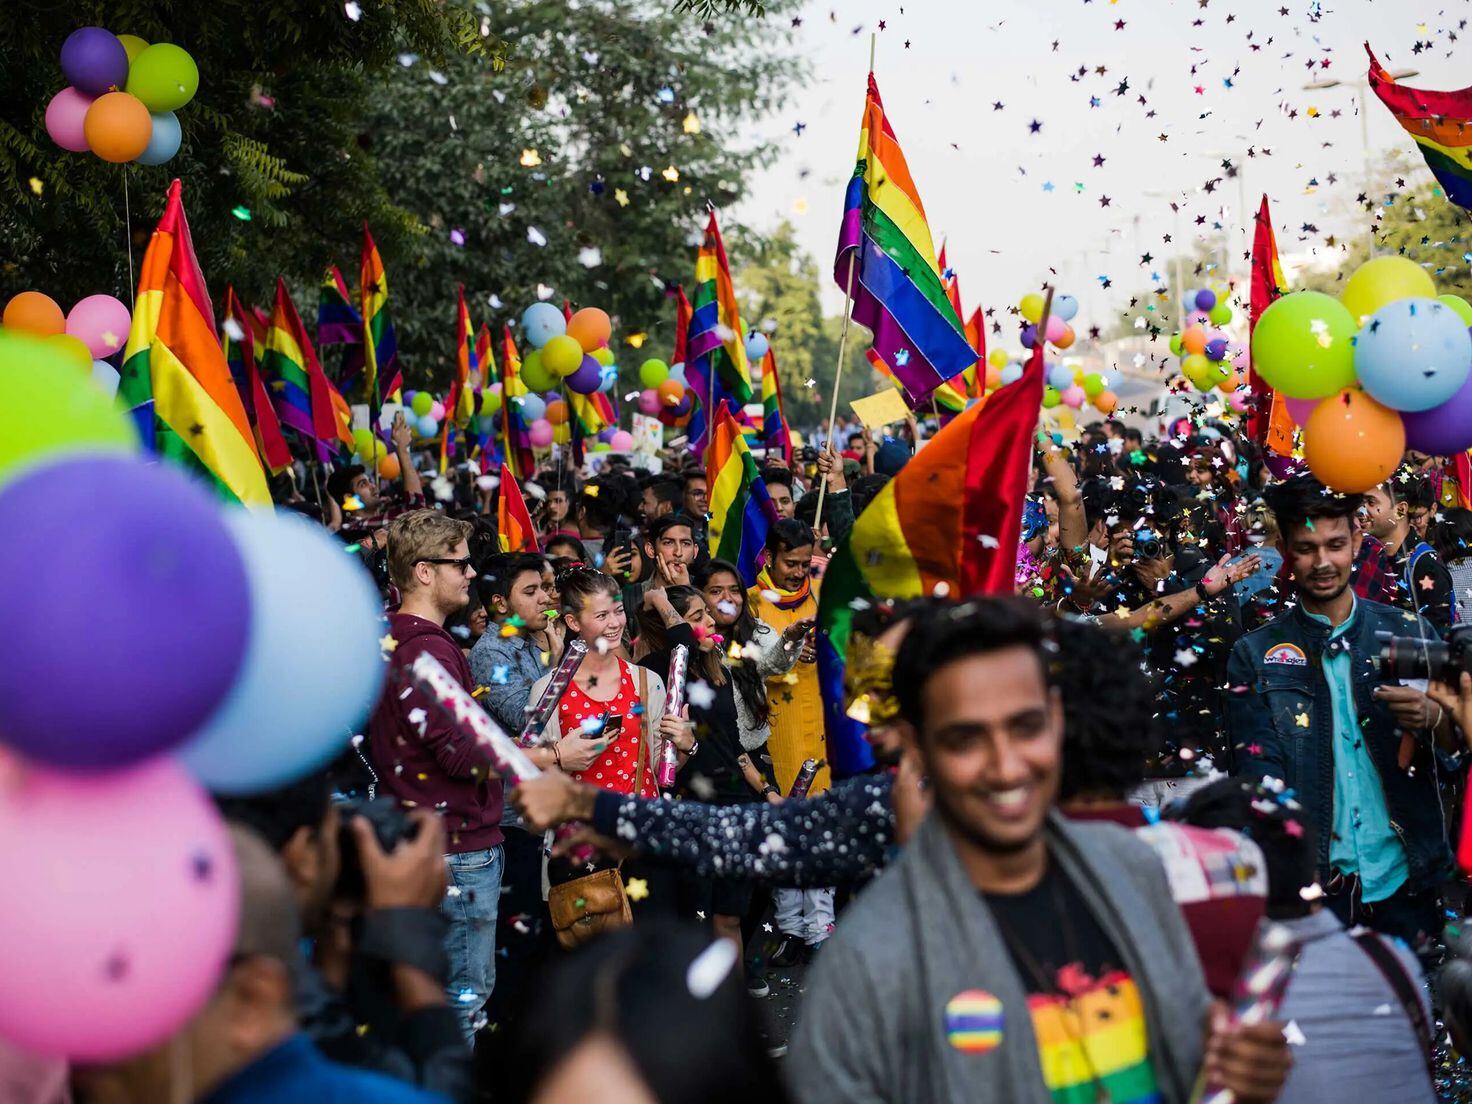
x=571, y=352
x=1209, y=359
x=664, y=392
x=122, y=97
x=237, y=650
x=1068, y=385
x=95, y=330
x=1385, y=367
x=1060, y=333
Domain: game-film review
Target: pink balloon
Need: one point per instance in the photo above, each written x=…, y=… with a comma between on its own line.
x=101, y=323
x=649, y=401
x=540, y=433
x=1239, y=359
x=124, y=931
x=437, y=411
x=64, y=117
x=1057, y=327
x=622, y=441
x=1198, y=318
x=1300, y=409
x=1073, y=396
x=1238, y=400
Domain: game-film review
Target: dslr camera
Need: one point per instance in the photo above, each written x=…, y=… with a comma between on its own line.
x=390, y=826
x=1410, y=657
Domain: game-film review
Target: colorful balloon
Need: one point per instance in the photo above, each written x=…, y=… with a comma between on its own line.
x=164, y=77
x=1194, y=340
x=1106, y=402
x=1413, y=354
x=100, y=322
x=590, y=328
x=1205, y=299
x=106, y=377
x=1384, y=280
x=421, y=403
x=388, y=466
x=757, y=346
x=1031, y=307
x=541, y=322
x=530, y=407
x=649, y=401
x=670, y=393
x=534, y=372
x=622, y=441
x=164, y=141
x=66, y=119
x=118, y=127
x=540, y=433
x=1220, y=314
x=556, y=412
x=155, y=578
x=1300, y=409
x=315, y=621
x=1444, y=430
x=133, y=46
x=1303, y=345
x=561, y=356
x=73, y=351
x=33, y=312
x=1065, y=307
x=490, y=399
x=653, y=372
x=93, y=60
x=1353, y=443
x=1460, y=305
x=997, y=358
x=588, y=378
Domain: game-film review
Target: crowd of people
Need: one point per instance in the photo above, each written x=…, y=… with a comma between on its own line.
x=1090, y=797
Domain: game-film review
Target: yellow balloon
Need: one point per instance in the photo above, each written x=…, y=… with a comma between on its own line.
x=562, y=434
x=1194, y=366
x=132, y=46
x=562, y=355
x=74, y=350
x=1031, y=307
x=997, y=358
x=1385, y=280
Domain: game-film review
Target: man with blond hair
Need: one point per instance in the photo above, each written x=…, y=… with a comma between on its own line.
x=421, y=759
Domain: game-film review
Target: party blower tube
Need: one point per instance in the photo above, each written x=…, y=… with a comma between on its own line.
x=805, y=775
x=674, y=701
x=541, y=713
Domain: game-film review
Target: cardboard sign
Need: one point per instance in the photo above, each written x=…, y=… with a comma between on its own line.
x=881, y=409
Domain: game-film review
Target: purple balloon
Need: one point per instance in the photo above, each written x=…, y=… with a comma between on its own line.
x=587, y=378
x=128, y=613
x=94, y=60
x=1205, y=299
x=683, y=407
x=607, y=432
x=1029, y=335
x=1443, y=430
x=1216, y=349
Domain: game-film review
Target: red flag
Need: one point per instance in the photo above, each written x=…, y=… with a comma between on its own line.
x=513, y=521
x=682, y=324
x=1268, y=420
x=976, y=334
x=998, y=474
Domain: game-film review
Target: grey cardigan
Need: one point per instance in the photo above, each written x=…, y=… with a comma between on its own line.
x=872, y=1026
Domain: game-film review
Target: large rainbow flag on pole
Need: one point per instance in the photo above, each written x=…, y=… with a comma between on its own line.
x=1441, y=124
x=381, y=372
x=239, y=346
x=516, y=444
x=741, y=510
x=884, y=244
x=175, y=380
x=952, y=517
x=715, y=350
x=459, y=402
x=299, y=388
x=776, y=435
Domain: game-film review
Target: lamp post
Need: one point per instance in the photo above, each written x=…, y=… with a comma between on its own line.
x=1361, y=89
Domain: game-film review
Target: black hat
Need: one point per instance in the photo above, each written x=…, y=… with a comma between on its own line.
x=340, y=482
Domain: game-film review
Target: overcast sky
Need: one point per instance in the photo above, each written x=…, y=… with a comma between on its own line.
x=1011, y=201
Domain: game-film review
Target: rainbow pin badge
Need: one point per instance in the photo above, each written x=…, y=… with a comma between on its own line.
x=974, y=1021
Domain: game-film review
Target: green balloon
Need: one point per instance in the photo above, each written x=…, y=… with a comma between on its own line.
x=1093, y=384
x=164, y=77
x=1051, y=398
x=1460, y=305
x=653, y=372
x=49, y=409
x=535, y=375
x=1176, y=348
x=422, y=403
x=363, y=441
x=490, y=402
x=1303, y=345
x=1220, y=314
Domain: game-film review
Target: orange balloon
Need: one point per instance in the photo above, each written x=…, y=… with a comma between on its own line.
x=590, y=328
x=74, y=349
x=671, y=392
x=1194, y=340
x=993, y=377
x=1067, y=339
x=388, y=466
x=1352, y=443
x=1230, y=384
x=556, y=412
x=34, y=312
x=1105, y=402
x=117, y=127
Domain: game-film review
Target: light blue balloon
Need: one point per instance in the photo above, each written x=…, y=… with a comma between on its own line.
x=677, y=373
x=1065, y=307
x=1060, y=376
x=609, y=379
x=1011, y=374
x=1413, y=354
x=428, y=427
x=164, y=142
x=105, y=376
x=756, y=346
x=541, y=322
x=312, y=667
x=530, y=407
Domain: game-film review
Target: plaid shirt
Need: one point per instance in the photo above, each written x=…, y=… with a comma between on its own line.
x=1373, y=576
x=362, y=523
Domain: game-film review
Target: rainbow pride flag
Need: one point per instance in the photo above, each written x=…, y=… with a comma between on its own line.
x=741, y=511
x=776, y=435
x=950, y=520
x=240, y=355
x=175, y=380
x=1441, y=124
x=885, y=242
x=338, y=321
x=514, y=528
x=516, y=444
x=299, y=388
x=381, y=373
x=715, y=350
x=459, y=403
x=947, y=397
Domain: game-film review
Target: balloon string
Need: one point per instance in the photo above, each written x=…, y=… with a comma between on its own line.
x=128, y=241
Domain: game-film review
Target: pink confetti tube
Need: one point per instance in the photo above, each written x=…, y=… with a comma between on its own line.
x=541, y=713
x=805, y=775
x=674, y=701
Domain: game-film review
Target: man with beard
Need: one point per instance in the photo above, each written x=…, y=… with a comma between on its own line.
x=1308, y=704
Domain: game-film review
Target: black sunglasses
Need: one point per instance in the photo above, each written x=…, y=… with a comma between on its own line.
x=462, y=563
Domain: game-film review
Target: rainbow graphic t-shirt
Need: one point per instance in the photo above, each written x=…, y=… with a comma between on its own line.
x=1096, y=1040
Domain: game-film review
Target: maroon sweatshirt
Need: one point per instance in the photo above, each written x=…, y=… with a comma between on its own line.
x=420, y=757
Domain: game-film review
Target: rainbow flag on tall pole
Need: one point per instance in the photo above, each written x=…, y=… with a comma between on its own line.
x=517, y=445
x=339, y=323
x=381, y=373
x=175, y=380
x=886, y=265
x=741, y=510
x=458, y=401
x=776, y=435
x=299, y=388
x=239, y=347
x=715, y=350
x=1440, y=123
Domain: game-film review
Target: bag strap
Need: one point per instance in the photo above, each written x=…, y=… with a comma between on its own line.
x=1404, y=986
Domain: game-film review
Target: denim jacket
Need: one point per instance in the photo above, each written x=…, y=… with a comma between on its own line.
x=1275, y=681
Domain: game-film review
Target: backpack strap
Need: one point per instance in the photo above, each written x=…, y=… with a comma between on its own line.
x=1406, y=991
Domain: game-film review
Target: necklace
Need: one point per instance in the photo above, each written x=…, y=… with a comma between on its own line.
x=1072, y=1020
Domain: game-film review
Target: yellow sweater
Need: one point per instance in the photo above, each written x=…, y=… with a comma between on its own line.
x=796, y=703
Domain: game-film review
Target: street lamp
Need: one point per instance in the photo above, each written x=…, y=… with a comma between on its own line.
x=1360, y=88
x=1179, y=290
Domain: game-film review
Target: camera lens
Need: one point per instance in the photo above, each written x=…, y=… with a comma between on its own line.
x=1407, y=657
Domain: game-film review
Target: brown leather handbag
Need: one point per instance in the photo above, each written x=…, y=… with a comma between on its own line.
x=596, y=902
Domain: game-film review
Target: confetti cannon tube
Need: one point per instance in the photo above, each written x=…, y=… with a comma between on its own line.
x=541, y=713
x=674, y=701
x=1258, y=991
x=805, y=775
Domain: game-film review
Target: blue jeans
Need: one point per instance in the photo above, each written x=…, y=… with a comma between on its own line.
x=470, y=907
